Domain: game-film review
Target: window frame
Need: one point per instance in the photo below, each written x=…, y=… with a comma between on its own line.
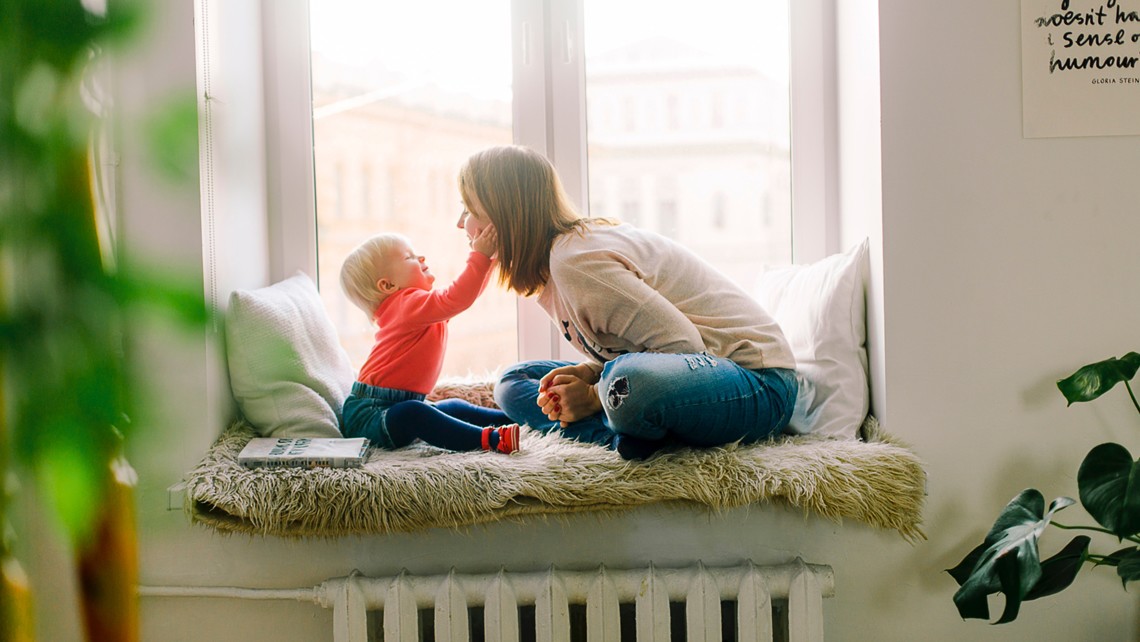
x=549, y=115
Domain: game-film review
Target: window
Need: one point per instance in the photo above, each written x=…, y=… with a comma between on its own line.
x=613, y=96
x=366, y=187
x=390, y=90
x=667, y=220
x=720, y=215
x=631, y=211
x=714, y=161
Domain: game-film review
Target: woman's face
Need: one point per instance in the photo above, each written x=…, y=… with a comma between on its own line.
x=473, y=220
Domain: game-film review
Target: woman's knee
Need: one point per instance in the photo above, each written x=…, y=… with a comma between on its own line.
x=516, y=385
x=630, y=383
x=517, y=372
x=630, y=395
x=506, y=392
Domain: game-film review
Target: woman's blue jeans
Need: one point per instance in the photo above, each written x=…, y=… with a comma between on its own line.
x=694, y=399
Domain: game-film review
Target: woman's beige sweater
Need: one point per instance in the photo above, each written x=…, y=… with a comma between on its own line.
x=619, y=289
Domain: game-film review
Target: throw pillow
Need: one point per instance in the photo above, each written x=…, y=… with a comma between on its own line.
x=822, y=309
x=288, y=372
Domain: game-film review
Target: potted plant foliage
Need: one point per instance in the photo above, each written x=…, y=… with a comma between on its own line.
x=1108, y=482
x=66, y=387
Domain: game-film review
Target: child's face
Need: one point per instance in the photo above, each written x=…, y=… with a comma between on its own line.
x=406, y=269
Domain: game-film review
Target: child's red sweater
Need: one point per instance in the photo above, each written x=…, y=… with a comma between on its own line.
x=412, y=330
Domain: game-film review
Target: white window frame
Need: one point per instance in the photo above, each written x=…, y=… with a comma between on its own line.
x=292, y=200
x=549, y=116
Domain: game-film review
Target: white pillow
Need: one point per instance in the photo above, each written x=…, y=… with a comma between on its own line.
x=822, y=309
x=288, y=372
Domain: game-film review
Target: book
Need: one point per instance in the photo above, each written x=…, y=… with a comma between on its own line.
x=300, y=452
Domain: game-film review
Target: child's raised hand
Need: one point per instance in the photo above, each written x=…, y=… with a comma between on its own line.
x=487, y=242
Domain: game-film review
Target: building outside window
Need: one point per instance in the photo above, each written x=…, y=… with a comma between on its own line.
x=396, y=87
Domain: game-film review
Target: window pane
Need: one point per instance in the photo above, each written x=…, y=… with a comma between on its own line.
x=688, y=125
x=403, y=93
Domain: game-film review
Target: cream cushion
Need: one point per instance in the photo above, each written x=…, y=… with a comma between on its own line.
x=821, y=308
x=288, y=372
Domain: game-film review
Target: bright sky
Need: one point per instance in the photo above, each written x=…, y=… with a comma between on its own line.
x=465, y=44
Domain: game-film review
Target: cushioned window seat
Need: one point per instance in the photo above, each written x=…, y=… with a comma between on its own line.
x=289, y=375
x=876, y=481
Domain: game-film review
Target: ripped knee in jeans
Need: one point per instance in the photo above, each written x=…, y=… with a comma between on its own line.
x=618, y=391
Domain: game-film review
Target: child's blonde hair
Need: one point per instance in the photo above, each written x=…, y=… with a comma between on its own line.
x=363, y=267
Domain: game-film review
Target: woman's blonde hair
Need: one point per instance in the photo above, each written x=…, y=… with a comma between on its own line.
x=524, y=198
x=363, y=267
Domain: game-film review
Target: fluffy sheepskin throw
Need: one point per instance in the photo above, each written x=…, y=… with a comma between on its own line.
x=876, y=481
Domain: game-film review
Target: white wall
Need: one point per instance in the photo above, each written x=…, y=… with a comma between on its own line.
x=1007, y=264
x=1003, y=264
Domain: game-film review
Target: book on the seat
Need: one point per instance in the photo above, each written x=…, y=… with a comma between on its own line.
x=301, y=452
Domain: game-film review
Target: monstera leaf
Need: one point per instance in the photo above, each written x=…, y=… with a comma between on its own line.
x=1128, y=565
x=1109, y=484
x=1095, y=379
x=1008, y=560
x=1059, y=571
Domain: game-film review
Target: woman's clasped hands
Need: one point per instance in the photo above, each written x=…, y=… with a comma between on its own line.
x=567, y=394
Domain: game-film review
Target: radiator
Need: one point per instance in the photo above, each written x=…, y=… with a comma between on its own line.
x=761, y=602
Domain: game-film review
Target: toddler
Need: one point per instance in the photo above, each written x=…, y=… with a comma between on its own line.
x=392, y=284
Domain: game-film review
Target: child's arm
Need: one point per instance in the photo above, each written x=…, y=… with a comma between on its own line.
x=442, y=304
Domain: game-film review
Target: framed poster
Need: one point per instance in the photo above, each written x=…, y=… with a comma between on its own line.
x=1080, y=68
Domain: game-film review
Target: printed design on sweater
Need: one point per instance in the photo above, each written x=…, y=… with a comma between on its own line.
x=594, y=351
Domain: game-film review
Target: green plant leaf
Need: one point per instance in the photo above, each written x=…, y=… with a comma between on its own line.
x=1059, y=571
x=1129, y=567
x=173, y=138
x=160, y=290
x=1009, y=577
x=1109, y=484
x=71, y=475
x=1114, y=558
x=1007, y=561
x=962, y=571
x=1095, y=379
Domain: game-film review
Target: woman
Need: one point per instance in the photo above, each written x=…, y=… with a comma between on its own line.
x=678, y=354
